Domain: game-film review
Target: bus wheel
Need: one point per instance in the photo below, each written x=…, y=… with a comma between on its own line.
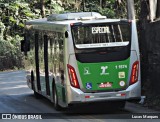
x=37, y=95
x=55, y=100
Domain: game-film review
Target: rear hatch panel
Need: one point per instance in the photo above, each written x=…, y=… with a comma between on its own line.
x=105, y=76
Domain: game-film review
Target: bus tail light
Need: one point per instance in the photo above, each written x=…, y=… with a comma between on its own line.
x=134, y=73
x=73, y=76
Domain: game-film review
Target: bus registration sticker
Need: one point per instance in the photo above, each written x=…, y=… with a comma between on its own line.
x=121, y=74
x=89, y=85
x=105, y=85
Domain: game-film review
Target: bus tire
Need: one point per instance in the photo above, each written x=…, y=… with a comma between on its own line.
x=55, y=99
x=37, y=95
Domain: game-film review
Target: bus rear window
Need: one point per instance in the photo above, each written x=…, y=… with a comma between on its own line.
x=101, y=35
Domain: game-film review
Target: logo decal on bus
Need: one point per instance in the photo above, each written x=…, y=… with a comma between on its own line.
x=86, y=71
x=121, y=74
x=122, y=83
x=89, y=85
x=105, y=85
x=104, y=68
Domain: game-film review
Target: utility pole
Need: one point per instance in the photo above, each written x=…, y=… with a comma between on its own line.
x=130, y=10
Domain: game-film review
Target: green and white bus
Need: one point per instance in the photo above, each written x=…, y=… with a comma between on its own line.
x=82, y=57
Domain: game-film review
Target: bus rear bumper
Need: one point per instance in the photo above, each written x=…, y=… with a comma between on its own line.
x=133, y=92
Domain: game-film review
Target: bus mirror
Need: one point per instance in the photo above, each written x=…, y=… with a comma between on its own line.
x=22, y=45
x=66, y=34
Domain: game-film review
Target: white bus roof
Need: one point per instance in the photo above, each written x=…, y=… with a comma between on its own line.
x=67, y=18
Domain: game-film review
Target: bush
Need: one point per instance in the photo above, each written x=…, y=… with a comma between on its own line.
x=10, y=54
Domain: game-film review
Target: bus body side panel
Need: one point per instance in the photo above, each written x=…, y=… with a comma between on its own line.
x=61, y=74
x=135, y=89
x=70, y=59
x=31, y=66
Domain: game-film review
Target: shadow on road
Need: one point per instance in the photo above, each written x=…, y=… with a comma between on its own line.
x=86, y=109
x=95, y=108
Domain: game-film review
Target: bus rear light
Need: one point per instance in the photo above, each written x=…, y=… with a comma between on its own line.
x=73, y=76
x=122, y=95
x=134, y=73
x=87, y=96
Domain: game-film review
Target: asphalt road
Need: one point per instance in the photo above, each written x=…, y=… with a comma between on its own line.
x=16, y=97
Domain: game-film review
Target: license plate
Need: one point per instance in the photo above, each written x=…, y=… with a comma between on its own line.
x=105, y=85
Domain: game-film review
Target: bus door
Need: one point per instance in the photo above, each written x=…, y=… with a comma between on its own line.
x=37, y=62
x=41, y=56
x=59, y=67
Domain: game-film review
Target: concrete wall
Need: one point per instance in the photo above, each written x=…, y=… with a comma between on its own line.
x=150, y=55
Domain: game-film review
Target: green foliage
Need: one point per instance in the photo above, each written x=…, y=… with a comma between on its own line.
x=13, y=13
x=106, y=9
x=10, y=54
x=53, y=6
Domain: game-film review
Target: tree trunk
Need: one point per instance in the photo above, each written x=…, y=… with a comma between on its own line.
x=84, y=6
x=100, y=3
x=43, y=8
x=130, y=10
x=153, y=9
x=78, y=5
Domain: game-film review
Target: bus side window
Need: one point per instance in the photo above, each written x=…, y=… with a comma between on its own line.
x=51, y=55
x=56, y=58
x=61, y=57
x=66, y=34
x=61, y=51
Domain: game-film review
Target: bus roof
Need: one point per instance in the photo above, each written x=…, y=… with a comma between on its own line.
x=67, y=18
x=58, y=22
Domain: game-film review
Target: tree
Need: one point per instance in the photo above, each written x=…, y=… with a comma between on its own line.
x=13, y=13
x=42, y=8
x=158, y=9
x=153, y=9
x=150, y=9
